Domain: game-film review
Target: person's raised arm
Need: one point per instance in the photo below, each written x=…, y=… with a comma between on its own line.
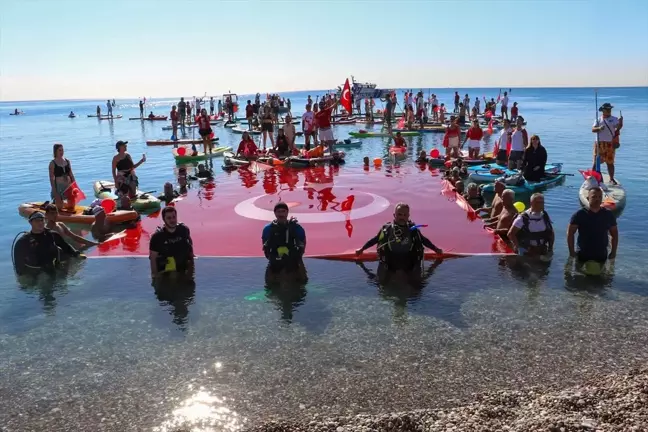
x=141, y=161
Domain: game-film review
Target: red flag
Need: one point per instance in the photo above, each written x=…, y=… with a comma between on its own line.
x=74, y=193
x=345, y=100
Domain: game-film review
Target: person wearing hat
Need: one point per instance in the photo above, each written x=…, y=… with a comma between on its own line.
x=40, y=249
x=123, y=169
x=607, y=129
x=171, y=247
x=284, y=243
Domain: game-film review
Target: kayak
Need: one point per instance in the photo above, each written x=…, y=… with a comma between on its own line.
x=179, y=127
x=188, y=157
x=144, y=201
x=163, y=142
x=78, y=216
x=340, y=143
x=614, y=196
x=232, y=161
x=296, y=161
x=488, y=174
x=364, y=121
x=366, y=134
x=485, y=158
x=528, y=186
x=231, y=125
x=240, y=130
x=110, y=118
x=343, y=122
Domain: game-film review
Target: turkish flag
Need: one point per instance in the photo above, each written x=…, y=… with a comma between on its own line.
x=345, y=100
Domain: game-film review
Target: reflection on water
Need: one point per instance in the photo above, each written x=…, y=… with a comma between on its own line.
x=577, y=280
x=202, y=412
x=177, y=295
x=286, y=295
x=50, y=286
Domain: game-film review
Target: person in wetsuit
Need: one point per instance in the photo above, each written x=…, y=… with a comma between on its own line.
x=400, y=243
x=41, y=249
x=284, y=243
x=171, y=247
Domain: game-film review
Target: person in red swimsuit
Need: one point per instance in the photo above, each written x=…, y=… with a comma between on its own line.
x=323, y=118
x=205, y=130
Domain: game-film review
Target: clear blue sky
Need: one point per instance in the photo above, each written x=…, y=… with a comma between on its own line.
x=53, y=49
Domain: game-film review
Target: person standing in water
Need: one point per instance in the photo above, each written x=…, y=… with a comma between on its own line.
x=597, y=230
x=607, y=128
x=284, y=243
x=61, y=178
x=171, y=247
x=205, y=130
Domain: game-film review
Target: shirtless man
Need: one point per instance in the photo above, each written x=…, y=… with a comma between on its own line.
x=496, y=206
x=100, y=228
x=508, y=214
x=51, y=216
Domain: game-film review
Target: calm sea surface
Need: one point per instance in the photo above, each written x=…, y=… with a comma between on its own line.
x=100, y=349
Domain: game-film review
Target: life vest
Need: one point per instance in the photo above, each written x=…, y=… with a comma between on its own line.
x=541, y=238
x=283, y=243
x=397, y=241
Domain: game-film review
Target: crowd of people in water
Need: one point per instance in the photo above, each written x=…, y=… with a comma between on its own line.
x=400, y=244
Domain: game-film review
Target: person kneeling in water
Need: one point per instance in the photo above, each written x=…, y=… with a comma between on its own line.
x=400, y=244
x=284, y=243
x=41, y=249
x=171, y=247
x=532, y=232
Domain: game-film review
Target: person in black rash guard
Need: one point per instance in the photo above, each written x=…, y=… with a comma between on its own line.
x=400, y=244
x=41, y=249
x=171, y=247
x=534, y=160
x=594, y=225
x=284, y=244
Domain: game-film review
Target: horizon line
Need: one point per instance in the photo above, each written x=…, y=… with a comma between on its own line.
x=321, y=90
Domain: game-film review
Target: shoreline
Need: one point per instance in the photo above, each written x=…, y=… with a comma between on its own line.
x=615, y=402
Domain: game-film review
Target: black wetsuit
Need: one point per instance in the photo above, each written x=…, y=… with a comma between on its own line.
x=177, y=245
x=34, y=253
x=399, y=246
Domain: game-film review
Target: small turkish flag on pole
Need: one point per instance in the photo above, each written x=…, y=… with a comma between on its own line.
x=345, y=100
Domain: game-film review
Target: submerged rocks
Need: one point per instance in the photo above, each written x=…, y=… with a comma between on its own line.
x=612, y=403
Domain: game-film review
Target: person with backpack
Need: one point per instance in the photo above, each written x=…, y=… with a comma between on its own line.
x=532, y=231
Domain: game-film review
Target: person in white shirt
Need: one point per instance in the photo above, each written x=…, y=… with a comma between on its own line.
x=532, y=231
x=519, y=141
x=504, y=108
x=477, y=102
x=502, y=154
x=607, y=128
x=308, y=127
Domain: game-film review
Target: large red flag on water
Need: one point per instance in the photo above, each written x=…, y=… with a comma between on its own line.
x=345, y=100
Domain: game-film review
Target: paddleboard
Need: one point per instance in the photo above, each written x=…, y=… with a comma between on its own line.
x=614, y=196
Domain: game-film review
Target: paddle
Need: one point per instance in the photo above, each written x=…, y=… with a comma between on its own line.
x=597, y=163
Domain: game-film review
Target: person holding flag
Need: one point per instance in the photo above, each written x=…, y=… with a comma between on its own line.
x=323, y=118
x=607, y=128
x=62, y=181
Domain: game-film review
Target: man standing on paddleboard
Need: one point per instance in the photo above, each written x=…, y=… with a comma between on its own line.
x=323, y=118
x=607, y=127
x=182, y=110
